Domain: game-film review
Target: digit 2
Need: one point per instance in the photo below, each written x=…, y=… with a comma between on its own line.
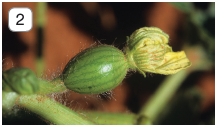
x=18, y=22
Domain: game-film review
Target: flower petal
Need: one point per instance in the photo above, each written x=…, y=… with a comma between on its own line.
x=173, y=62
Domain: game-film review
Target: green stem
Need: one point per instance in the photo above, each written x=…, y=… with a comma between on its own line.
x=163, y=95
x=40, y=21
x=51, y=110
x=47, y=87
x=41, y=13
x=103, y=118
x=8, y=101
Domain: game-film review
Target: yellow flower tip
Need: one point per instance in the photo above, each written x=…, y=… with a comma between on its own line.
x=173, y=62
x=147, y=36
x=147, y=50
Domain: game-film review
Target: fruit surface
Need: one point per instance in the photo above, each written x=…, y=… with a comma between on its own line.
x=95, y=70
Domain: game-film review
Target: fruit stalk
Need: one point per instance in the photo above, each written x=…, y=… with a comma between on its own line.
x=51, y=110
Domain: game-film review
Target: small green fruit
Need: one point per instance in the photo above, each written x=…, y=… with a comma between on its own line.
x=95, y=70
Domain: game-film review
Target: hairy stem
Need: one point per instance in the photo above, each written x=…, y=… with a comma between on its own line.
x=51, y=110
x=47, y=87
x=104, y=118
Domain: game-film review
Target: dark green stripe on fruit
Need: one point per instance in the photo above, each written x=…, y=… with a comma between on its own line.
x=95, y=70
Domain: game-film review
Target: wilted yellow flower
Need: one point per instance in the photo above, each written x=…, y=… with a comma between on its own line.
x=147, y=50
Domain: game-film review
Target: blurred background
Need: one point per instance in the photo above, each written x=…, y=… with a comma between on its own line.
x=61, y=30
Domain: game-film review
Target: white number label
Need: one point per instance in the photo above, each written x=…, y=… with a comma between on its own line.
x=20, y=19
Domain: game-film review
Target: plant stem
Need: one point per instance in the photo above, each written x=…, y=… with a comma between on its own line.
x=47, y=87
x=51, y=110
x=40, y=20
x=8, y=101
x=104, y=118
x=163, y=95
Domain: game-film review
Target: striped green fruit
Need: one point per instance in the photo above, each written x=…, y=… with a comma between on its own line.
x=95, y=70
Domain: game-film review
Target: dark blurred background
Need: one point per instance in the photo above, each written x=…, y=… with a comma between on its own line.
x=71, y=27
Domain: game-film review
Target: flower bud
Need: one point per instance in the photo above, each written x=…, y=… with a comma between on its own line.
x=147, y=50
x=20, y=80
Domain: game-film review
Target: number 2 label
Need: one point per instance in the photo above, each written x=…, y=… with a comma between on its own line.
x=18, y=22
x=20, y=19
